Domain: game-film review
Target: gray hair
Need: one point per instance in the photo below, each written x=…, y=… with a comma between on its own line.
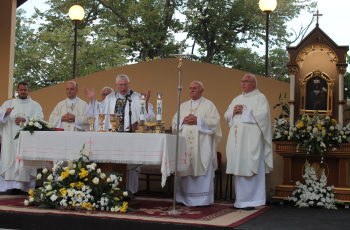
x=202, y=87
x=107, y=87
x=121, y=77
x=76, y=85
x=252, y=78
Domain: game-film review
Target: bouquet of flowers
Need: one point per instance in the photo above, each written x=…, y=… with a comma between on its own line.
x=80, y=185
x=345, y=133
x=314, y=192
x=280, y=130
x=316, y=134
x=34, y=124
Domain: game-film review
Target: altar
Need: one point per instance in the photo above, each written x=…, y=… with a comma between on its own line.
x=40, y=149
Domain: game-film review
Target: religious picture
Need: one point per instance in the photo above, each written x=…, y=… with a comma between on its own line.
x=316, y=94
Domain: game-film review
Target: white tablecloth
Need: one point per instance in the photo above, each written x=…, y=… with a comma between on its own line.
x=34, y=151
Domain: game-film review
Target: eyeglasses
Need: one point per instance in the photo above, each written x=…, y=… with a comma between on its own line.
x=246, y=81
x=125, y=85
x=104, y=94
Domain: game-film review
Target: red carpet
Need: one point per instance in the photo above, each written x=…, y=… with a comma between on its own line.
x=154, y=209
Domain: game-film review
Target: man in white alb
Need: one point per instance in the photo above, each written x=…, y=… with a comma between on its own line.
x=104, y=93
x=12, y=113
x=118, y=103
x=69, y=114
x=200, y=125
x=249, y=144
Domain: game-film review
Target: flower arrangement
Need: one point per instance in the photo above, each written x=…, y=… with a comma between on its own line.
x=345, y=133
x=34, y=124
x=80, y=185
x=314, y=192
x=316, y=134
x=280, y=129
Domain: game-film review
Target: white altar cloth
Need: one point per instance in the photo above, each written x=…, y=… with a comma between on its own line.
x=35, y=150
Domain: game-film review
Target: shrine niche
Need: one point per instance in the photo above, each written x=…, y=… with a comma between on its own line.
x=316, y=94
x=317, y=66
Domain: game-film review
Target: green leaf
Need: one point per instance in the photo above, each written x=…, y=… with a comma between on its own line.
x=50, y=193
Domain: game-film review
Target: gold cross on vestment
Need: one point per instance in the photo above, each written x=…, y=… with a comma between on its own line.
x=317, y=14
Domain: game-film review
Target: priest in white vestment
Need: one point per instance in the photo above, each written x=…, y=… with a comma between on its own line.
x=200, y=125
x=118, y=103
x=249, y=144
x=12, y=113
x=104, y=93
x=70, y=114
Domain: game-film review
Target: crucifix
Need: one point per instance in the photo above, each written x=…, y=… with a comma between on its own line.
x=317, y=14
x=174, y=212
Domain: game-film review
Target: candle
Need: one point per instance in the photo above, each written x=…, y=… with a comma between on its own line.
x=159, y=107
x=142, y=107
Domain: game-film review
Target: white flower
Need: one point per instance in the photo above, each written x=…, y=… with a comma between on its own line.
x=98, y=170
x=31, y=123
x=74, y=166
x=48, y=125
x=94, y=165
x=289, y=137
x=48, y=187
x=72, y=172
x=44, y=170
x=117, y=209
x=26, y=202
x=50, y=177
x=331, y=128
x=95, y=180
x=108, y=179
x=87, y=154
x=53, y=197
x=39, y=176
x=90, y=167
x=102, y=176
x=31, y=199
x=71, y=193
x=286, y=132
x=125, y=193
x=60, y=178
x=315, y=130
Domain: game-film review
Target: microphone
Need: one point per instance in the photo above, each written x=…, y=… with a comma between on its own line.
x=127, y=97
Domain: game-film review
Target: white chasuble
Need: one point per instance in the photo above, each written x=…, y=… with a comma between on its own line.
x=244, y=139
x=26, y=108
x=75, y=106
x=200, y=147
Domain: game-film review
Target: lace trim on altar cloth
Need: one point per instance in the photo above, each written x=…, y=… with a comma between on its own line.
x=199, y=194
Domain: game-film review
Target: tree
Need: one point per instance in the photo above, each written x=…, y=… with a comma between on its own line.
x=220, y=26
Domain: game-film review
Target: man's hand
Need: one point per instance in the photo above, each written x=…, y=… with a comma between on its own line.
x=89, y=94
x=68, y=117
x=190, y=120
x=18, y=120
x=237, y=109
x=8, y=111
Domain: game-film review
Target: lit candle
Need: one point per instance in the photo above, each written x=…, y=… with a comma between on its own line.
x=142, y=107
x=159, y=107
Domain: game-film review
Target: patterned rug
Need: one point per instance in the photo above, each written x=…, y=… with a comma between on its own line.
x=152, y=209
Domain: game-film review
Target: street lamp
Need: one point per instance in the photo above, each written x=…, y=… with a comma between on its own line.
x=267, y=6
x=76, y=13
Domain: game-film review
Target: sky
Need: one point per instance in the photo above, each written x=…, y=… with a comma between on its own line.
x=335, y=20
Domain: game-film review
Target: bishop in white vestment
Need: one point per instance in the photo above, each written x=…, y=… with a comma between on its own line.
x=12, y=113
x=117, y=103
x=200, y=125
x=249, y=144
x=70, y=114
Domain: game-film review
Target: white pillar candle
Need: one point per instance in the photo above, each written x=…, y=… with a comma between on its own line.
x=159, y=109
x=142, y=107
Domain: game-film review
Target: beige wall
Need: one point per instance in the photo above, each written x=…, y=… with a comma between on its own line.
x=221, y=86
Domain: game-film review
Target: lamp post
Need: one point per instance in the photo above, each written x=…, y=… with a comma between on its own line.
x=76, y=13
x=267, y=6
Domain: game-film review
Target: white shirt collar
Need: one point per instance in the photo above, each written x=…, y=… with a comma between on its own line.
x=72, y=100
x=196, y=102
x=250, y=93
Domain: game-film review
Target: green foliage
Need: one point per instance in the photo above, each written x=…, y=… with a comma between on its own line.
x=284, y=105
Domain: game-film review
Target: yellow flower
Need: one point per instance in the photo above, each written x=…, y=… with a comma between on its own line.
x=73, y=205
x=65, y=174
x=79, y=185
x=304, y=130
x=79, y=195
x=31, y=192
x=86, y=179
x=329, y=134
x=63, y=191
x=300, y=124
x=72, y=185
x=83, y=173
x=319, y=127
x=334, y=122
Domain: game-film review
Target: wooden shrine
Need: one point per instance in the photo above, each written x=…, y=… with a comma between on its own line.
x=316, y=60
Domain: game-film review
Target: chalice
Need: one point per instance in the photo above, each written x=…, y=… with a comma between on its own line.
x=114, y=122
x=102, y=117
x=91, y=121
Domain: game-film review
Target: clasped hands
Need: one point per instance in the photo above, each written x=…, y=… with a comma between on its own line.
x=68, y=117
x=237, y=109
x=190, y=120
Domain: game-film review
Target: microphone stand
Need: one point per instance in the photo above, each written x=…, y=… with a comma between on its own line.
x=130, y=113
